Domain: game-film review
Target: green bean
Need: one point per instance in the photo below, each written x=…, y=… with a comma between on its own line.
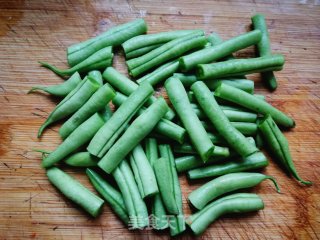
x=163, y=72
x=158, y=208
x=200, y=197
x=110, y=194
x=248, y=129
x=63, y=89
x=112, y=129
x=166, y=52
x=106, y=113
x=165, y=127
x=127, y=86
x=254, y=161
x=238, y=67
x=235, y=203
x=143, y=171
x=137, y=209
x=191, y=122
x=186, y=79
x=95, y=74
x=141, y=41
x=82, y=159
x=189, y=149
x=177, y=222
x=75, y=191
x=71, y=103
x=80, y=136
x=137, y=131
x=99, y=60
x=258, y=22
x=258, y=138
x=141, y=51
x=113, y=37
x=95, y=103
x=279, y=146
x=248, y=101
x=219, y=120
x=219, y=51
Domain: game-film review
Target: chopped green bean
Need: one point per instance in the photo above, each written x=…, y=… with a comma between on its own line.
x=141, y=51
x=95, y=74
x=82, y=159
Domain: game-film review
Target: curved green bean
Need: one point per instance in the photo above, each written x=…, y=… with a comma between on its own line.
x=80, y=136
x=95, y=103
x=141, y=51
x=75, y=191
x=109, y=193
x=82, y=159
x=251, y=102
x=238, y=67
x=200, y=197
x=191, y=122
x=72, y=102
x=112, y=129
x=113, y=37
x=219, y=51
x=138, y=130
x=63, y=89
x=99, y=60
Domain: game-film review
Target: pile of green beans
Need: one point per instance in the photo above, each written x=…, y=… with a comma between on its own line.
x=132, y=145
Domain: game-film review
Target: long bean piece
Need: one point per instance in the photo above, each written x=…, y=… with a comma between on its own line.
x=246, y=100
x=110, y=194
x=75, y=191
x=219, y=51
x=113, y=37
x=246, y=128
x=135, y=133
x=141, y=51
x=279, y=146
x=191, y=122
x=112, y=129
x=189, y=149
x=82, y=159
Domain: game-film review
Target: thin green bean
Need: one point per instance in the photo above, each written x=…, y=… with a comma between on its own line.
x=82, y=159
x=141, y=51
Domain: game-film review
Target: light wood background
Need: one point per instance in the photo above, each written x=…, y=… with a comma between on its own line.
x=41, y=30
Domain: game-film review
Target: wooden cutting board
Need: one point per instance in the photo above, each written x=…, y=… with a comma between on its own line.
x=41, y=30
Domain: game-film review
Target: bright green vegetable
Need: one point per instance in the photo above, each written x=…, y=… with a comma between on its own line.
x=112, y=129
x=135, y=133
x=249, y=101
x=200, y=197
x=246, y=128
x=98, y=60
x=254, y=161
x=75, y=191
x=127, y=86
x=165, y=127
x=82, y=159
x=80, y=136
x=72, y=102
x=279, y=146
x=63, y=89
x=95, y=74
x=236, y=140
x=191, y=122
x=219, y=51
x=110, y=194
x=238, y=67
x=263, y=46
x=136, y=207
x=141, y=51
x=113, y=37
x=95, y=103
x=187, y=148
x=143, y=172
x=235, y=203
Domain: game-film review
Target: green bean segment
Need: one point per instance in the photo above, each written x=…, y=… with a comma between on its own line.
x=235, y=203
x=200, y=197
x=191, y=122
x=252, y=162
x=80, y=136
x=188, y=148
x=94, y=104
x=135, y=133
x=246, y=128
x=219, y=51
x=75, y=191
x=279, y=146
x=99, y=60
x=110, y=194
x=113, y=37
x=60, y=90
x=141, y=51
x=112, y=129
x=238, y=67
x=257, y=105
x=82, y=159
x=96, y=75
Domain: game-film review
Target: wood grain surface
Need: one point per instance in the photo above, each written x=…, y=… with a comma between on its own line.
x=41, y=30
